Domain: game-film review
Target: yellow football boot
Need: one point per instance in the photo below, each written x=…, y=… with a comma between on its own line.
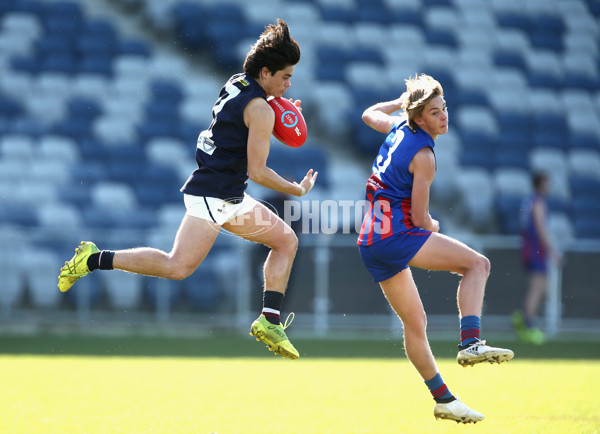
x=274, y=336
x=77, y=266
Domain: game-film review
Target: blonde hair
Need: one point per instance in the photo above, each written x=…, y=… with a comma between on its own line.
x=419, y=91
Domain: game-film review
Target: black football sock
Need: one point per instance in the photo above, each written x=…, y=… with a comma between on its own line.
x=101, y=261
x=272, y=301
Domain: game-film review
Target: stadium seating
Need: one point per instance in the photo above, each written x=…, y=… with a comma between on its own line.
x=98, y=128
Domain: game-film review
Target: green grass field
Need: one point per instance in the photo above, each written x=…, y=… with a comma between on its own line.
x=89, y=384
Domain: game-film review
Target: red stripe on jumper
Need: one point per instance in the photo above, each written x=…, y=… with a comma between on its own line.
x=386, y=222
x=406, y=207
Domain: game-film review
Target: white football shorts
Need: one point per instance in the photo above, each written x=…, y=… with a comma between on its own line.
x=217, y=210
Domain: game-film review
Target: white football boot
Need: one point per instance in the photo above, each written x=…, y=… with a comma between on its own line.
x=479, y=352
x=456, y=411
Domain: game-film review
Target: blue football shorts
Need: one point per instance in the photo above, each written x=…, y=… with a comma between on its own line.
x=386, y=258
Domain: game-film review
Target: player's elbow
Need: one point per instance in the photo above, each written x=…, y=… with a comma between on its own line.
x=366, y=117
x=256, y=174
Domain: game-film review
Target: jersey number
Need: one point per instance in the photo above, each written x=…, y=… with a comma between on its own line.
x=204, y=139
x=380, y=166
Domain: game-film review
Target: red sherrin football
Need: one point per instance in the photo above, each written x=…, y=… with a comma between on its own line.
x=290, y=126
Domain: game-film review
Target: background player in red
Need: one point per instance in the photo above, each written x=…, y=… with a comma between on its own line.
x=234, y=148
x=398, y=231
x=536, y=250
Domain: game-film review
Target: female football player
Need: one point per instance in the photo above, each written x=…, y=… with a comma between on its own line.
x=234, y=148
x=398, y=231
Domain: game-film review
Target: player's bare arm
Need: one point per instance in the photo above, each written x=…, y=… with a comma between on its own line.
x=379, y=116
x=259, y=118
x=422, y=167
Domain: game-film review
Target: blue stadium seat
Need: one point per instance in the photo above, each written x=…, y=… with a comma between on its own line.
x=92, y=149
x=580, y=140
x=53, y=45
x=586, y=206
x=10, y=107
x=509, y=210
x=166, y=90
x=127, y=170
x=18, y=215
x=549, y=23
x=367, y=140
x=100, y=28
x=509, y=59
x=70, y=10
x=364, y=54
x=202, y=288
x=550, y=139
x=60, y=25
x=511, y=157
x=429, y=3
x=150, y=130
x=550, y=120
x=541, y=79
x=33, y=7
x=161, y=110
x=157, y=185
x=25, y=64
x=335, y=14
x=578, y=80
x=133, y=47
x=584, y=187
x=484, y=158
x=88, y=172
x=76, y=128
x=140, y=218
x=470, y=97
x=478, y=140
x=514, y=21
x=374, y=12
x=441, y=37
x=586, y=227
x=84, y=108
x=96, y=64
x=187, y=16
x=65, y=63
x=188, y=132
x=546, y=39
x=25, y=125
x=510, y=121
x=95, y=45
x=332, y=63
x=408, y=16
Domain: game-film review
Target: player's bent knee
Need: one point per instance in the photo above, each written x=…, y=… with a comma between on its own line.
x=288, y=244
x=484, y=265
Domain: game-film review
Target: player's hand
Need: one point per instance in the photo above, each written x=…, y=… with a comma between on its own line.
x=308, y=182
x=435, y=225
x=296, y=103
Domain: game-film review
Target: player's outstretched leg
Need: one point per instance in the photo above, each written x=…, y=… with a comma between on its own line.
x=479, y=352
x=77, y=267
x=456, y=411
x=274, y=336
